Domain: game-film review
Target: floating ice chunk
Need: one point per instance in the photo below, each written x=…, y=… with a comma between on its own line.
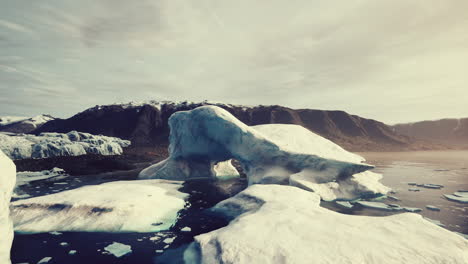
x=432, y=186
x=412, y=209
x=269, y=154
x=344, y=204
x=432, y=208
x=72, y=252
x=159, y=251
x=45, y=260
x=118, y=249
x=379, y=206
x=55, y=233
x=394, y=198
x=186, y=229
x=64, y=244
x=169, y=240
x=460, y=197
x=121, y=206
x=300, y=235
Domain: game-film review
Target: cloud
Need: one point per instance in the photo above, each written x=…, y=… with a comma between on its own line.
x=373, y=58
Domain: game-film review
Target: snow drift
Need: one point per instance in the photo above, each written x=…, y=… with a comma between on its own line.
x=279, y=154
x=24, y=146
x=7, y=183
x=122, y=206
x=295, y=229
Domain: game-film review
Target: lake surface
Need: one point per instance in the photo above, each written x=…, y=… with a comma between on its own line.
x=448, y=168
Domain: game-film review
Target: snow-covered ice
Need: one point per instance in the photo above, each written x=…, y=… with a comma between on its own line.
x=295, y=229
x=24, y=146
x=7, y=183
x=122, y=206
x=461, y=197
x=280, y=154
x=118, y=249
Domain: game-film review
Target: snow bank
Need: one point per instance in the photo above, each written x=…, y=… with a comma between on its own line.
x=6, y=120
x=24, y=146
x=279, y=154
x=284, y=224
x=7, y=183
x=122, y=206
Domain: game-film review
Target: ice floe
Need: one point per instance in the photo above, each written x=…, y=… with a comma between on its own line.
x=122, y=206
x=45, y=260
x=283, y=224
x=279, y=154
x=7, y=183
x=432, y=208
x=24, y=146
x=118, y=249
x=460, y=196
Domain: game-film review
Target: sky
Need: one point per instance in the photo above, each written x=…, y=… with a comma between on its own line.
x=394, y=61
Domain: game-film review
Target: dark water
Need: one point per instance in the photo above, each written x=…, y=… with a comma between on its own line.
x=446, y=168
x=90, y=246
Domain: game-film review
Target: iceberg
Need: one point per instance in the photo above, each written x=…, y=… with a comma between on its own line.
x=7, y=183
x=121, y=206
x=46, y=145
x=284, y=224
x=205, y=137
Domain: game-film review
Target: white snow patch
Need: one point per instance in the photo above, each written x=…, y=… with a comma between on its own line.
x=121, y=206
x=284, y=224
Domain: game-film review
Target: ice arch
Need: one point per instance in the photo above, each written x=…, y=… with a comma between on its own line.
x=271, y=154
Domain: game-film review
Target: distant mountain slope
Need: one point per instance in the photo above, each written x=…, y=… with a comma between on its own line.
x=446, y=131
x=23, y=124
x=146, y=124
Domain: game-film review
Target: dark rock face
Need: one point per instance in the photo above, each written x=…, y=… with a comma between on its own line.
x=446, y=131
x=146, y=125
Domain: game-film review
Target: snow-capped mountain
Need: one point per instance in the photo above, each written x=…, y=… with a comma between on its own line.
x=145, y=124
x=16, y=124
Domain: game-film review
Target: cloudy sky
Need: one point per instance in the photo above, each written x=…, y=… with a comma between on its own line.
x=395, y=61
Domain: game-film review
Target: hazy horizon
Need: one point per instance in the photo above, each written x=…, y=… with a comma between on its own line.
x=395, y=61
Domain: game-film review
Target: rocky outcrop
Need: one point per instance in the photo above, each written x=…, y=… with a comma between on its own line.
x=146, y=124
x=453, y=132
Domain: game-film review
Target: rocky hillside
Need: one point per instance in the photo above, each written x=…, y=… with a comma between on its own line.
x=452, y=132
x=23, y=124
x=146, y=124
